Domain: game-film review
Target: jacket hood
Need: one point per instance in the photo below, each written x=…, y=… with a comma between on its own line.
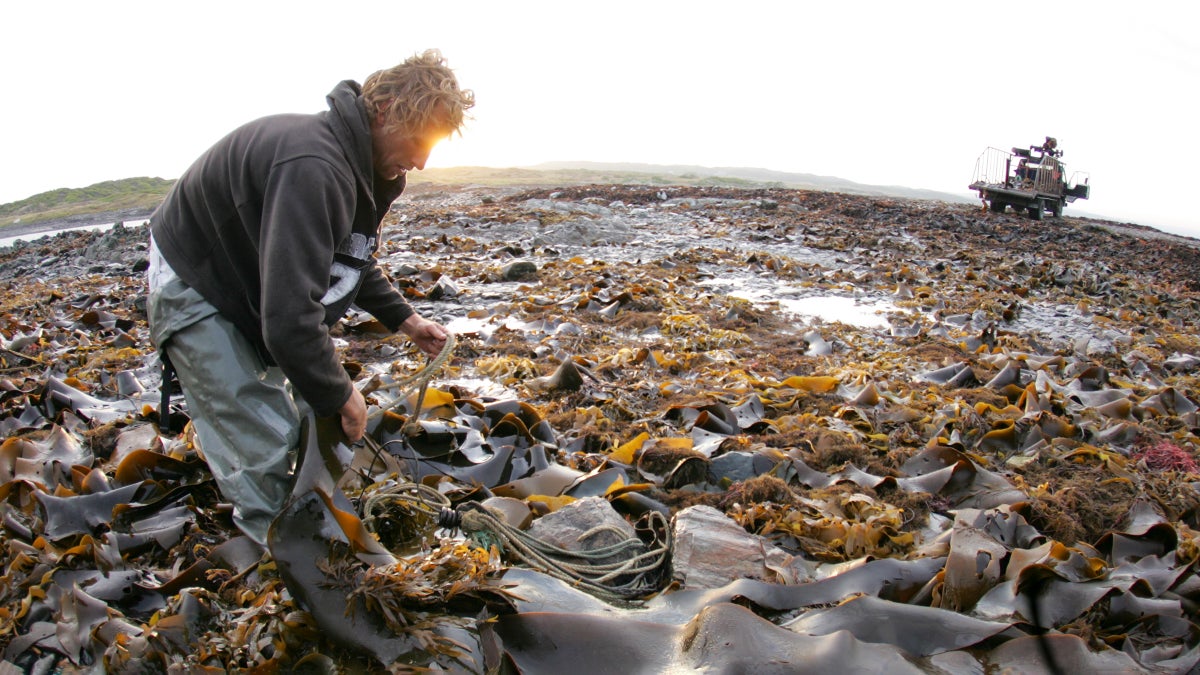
x=352, y=128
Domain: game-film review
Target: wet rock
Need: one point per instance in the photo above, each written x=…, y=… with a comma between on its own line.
x=587, y=524
x=517, y=270
x=577, y=208
x=444, y=287
x=710, y=550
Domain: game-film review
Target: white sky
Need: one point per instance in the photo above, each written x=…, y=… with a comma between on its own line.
x=878, y=92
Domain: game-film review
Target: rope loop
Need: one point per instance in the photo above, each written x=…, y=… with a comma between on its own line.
x=402, y=515
x=634, y=573
x=418, y=380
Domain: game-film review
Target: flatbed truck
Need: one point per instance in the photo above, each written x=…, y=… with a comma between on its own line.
x=1031, y=180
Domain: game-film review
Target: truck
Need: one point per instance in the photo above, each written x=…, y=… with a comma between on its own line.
x=1028, y=179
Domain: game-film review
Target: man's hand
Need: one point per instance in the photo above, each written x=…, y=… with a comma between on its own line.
x=354, y=416
x=430, y=336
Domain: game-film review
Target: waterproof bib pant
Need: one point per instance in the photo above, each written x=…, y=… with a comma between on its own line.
x=246, y=418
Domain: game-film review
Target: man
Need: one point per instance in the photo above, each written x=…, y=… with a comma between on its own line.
x=263, y=244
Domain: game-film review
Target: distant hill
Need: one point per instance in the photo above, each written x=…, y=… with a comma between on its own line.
x=760, y=177
x=574, y=173
x=134, y=197
x=126, y=196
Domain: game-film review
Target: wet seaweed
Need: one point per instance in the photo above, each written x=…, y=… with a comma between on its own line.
x=1010, y=455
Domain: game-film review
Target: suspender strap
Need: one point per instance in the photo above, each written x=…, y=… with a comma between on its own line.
x=164, y=406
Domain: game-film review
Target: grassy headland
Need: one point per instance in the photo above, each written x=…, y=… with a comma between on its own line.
x=126, y=195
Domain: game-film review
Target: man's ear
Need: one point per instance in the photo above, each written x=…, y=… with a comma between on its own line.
x=382, y=111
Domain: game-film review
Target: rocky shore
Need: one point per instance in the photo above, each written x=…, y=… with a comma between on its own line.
x=56, y=224
x=991, y=463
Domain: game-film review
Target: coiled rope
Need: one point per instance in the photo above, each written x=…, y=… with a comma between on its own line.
x=628, y=577
x=402, y=513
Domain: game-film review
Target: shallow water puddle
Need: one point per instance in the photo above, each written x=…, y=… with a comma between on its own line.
x=864, y=313
x=483, y=327
x=481, y=387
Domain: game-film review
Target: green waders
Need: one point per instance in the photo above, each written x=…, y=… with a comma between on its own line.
x=247, y=420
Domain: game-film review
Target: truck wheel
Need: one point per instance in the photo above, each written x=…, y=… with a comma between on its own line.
x=1058, y=207
x=997, y=206
x=1035, y=212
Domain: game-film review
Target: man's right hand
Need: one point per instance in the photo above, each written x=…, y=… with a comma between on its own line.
x=354, y=416
x=429, y=336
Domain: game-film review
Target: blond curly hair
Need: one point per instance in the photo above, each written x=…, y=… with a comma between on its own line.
x=417, y=94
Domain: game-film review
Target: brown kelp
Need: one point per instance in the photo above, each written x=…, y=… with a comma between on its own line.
x=987, y=461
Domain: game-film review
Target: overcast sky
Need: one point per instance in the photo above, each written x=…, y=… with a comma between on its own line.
x=889, y=93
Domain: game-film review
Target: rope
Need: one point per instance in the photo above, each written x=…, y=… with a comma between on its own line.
x=421, y=379
x=402, y=513
x=580, y=568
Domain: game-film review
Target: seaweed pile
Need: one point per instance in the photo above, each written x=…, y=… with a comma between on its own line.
x=992, y=463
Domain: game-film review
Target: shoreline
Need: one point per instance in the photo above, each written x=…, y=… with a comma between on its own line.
x=43, y=227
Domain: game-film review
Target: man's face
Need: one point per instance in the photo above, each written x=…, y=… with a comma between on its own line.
x=397, y=151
